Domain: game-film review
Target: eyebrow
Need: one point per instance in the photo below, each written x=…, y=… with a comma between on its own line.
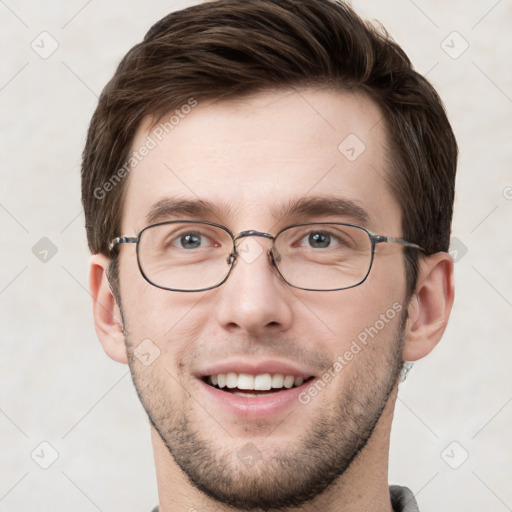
x=322, y=206
x=172, y=207
x=315, y=206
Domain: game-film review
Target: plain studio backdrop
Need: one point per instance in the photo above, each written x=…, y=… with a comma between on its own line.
x=73, y=434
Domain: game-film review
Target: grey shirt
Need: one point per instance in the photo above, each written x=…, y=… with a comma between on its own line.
x=402, y=500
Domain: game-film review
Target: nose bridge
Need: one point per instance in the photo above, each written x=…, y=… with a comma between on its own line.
x=249, y=249
x=250, y=299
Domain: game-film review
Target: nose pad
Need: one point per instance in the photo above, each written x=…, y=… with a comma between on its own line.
x=274, y=257
x=249, y=248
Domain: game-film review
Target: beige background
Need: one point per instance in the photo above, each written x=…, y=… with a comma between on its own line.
x=58, y=386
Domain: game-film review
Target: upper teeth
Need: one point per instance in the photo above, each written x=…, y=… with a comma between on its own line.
x=259, y=382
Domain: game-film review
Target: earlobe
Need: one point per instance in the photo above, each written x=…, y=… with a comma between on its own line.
x=430, y=306
x=107, y=316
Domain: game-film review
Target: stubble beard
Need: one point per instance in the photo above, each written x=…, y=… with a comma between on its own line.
x=302, y=470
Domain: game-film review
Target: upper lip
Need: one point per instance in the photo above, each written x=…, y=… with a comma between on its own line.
x=271, y=366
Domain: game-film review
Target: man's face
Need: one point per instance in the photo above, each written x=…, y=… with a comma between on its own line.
x=251, y=159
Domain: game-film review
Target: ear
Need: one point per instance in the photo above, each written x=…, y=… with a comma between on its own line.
x=107, y=315
x=430, y=306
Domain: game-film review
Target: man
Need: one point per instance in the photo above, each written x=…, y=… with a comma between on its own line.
x=268, y=189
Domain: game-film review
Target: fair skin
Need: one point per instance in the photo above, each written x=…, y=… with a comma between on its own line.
x=248, y=158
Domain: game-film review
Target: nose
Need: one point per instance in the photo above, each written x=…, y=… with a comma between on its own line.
x=254, y=299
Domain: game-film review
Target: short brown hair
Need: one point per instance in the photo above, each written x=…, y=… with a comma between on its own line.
x=232, y=48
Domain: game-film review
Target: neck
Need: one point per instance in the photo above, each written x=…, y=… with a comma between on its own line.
x=362, y=487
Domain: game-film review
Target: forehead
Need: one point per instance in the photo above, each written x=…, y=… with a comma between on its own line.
x=250, y=160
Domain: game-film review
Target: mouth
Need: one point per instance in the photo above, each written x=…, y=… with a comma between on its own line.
x=245, y=389
x=249, y=386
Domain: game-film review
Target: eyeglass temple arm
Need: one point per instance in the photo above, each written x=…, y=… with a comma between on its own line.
x=394, y=240
x=122, y=240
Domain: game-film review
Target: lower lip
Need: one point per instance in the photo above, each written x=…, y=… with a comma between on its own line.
x=258, y=406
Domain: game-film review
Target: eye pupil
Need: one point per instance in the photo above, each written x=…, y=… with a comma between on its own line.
x=319, y=239
x=190, y=241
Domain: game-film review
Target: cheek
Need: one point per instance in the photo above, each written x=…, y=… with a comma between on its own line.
x=336, y=319
x=168, y=320
x=157, y=388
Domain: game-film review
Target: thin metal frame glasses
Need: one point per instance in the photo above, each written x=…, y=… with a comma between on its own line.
x=314, y=256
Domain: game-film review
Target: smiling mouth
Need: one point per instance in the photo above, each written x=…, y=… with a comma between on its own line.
x=247, y=385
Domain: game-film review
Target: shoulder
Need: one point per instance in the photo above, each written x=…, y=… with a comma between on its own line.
x=402, y=499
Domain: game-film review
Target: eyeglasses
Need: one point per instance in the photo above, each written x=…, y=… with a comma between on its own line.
x=191, y=256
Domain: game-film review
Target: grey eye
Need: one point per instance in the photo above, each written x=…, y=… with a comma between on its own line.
x=319, y=239
x=190, y=241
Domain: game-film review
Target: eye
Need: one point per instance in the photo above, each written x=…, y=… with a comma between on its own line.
x=191, y=240
x=187, y=240
x=319, y=239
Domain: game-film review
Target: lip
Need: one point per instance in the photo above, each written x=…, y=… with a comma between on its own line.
x=256, y=407
x=271, y=366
